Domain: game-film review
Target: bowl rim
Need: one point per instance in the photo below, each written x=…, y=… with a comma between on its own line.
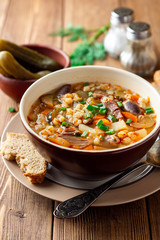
x=55, y=49
x=156, y=129
x=58, y=50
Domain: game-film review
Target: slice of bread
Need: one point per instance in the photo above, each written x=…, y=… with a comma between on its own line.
x=18, y=147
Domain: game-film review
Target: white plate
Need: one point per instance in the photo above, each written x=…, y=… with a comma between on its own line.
x=142, y=188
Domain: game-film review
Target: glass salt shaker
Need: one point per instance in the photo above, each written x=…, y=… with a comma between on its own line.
x=115, y=41
x=138, y=56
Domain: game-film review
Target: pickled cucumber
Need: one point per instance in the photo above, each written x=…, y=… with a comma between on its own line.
x=4, y=73
x=12, y=68
x=29, y=56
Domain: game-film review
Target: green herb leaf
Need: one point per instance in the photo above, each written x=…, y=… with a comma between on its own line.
x=101, y=137
x=63, y=108
x=90, y=107
x=111, y=131
x=87, y=51
x=103, y=110
x=82, y=102
x=75, y=32
x=99, y=104
x=103, y=127
x=99, y=123
x=85, y=84
x=95, y=106
x=77, y=134
x=128, y=121
x=119, y=104
x=112, y=118
x=84, y=134
x=94, y=112
x=148, y=110
x=90, y=94
x=65, y=124
x=87, y=115
x=11, y=109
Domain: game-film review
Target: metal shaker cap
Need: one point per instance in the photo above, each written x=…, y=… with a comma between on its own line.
x=138, y=31
x=122, y=15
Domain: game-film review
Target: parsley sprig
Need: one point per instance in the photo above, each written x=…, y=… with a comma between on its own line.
x=75, y=32
x=89, y=49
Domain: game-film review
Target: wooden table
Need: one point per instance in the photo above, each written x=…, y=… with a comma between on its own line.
x=26, y=215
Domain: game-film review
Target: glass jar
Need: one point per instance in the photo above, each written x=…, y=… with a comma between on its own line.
x=138, y=56
x=115, y=41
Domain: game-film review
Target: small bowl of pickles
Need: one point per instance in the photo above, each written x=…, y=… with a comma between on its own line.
x=20, y=66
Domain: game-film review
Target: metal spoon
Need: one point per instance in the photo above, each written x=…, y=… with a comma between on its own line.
x=77, y=205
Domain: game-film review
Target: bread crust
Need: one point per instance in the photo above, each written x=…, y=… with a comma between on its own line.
x=18, y=147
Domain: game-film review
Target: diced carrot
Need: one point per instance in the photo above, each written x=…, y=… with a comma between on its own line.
x=75, y=146
x=59, y=141
x=98, y=117
x=46, y=111
x=129, y=91
x=105, y=122
x=135, y=98
x=148, y=99
x=130, y=115
x=116, y=85
x=90, y=147
x=154, y=116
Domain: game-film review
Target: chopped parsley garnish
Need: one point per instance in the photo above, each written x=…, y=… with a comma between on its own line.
x=11, y=109
x=84, y=134
x=148, y=110
x=85, y=84
x=94, y=112
x=128, y=121
x=101, y=125
x=103, y=110
x=90, y=94
x=111, y=131
x=99, y=105
x=63, y=108
x=87, y=115
x=82, y=102
x=101, y=137
x=65, y=124
x=90, y=107
x=112, y=118
x=119, y=104
x=77, y=134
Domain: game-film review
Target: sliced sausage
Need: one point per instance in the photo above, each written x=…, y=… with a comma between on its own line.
x=73, y=140
x=132, y=107
x=113, y=108
x=99, y=94
x=110, y=141
x=70, y=130
x=67, y=88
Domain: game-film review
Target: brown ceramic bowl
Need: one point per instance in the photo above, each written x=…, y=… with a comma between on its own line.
x=15, y=87
x=91, y=164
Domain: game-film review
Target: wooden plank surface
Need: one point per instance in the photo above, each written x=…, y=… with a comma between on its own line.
x=26, y=215
x=129, y=221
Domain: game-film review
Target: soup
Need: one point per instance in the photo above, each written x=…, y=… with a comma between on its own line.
x=92, y=116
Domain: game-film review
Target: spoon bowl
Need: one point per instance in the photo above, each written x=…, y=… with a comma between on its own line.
x=77, y=205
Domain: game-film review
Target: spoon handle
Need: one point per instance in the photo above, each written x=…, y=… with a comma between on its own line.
x=76, y=205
